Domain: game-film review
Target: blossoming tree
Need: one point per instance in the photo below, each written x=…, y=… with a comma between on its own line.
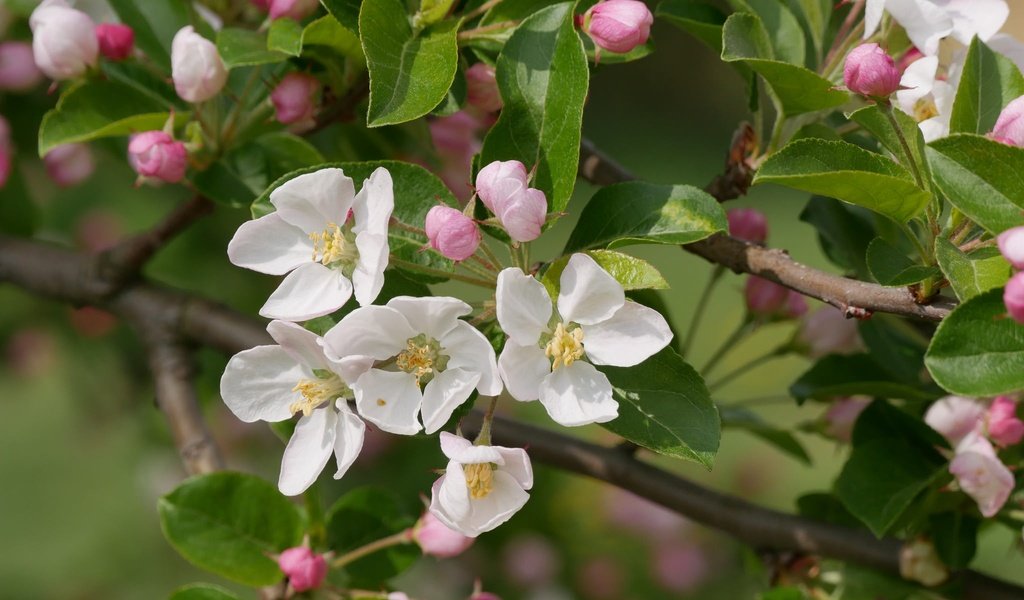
x=902, y=119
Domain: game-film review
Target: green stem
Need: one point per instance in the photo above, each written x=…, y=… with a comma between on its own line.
x=745, y=327
x=411, y=266
x=476, y=270
x=491, y=256
x=486, y=6
x=747, y=366
x=402, y=537
x=886, y=109
x=469, y=34
x=315, y=511
x=484, y=437
x=698, y=313
x=925, y=256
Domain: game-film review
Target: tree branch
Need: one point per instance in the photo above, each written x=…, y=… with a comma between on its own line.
x=855, y=298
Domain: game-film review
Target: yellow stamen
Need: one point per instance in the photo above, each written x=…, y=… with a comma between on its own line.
x=565, y=347
x=422, y=358
x=330, y=245
x=317, y=391
x=479, y=479
x=925, y=109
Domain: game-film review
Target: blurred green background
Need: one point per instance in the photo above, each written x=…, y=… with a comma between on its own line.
x=84, y=454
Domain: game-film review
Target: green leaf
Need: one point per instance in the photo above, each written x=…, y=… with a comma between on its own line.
x=202, y=591
x=988, y=83
x=744, y=39
x=431, y=11
x=784, y=32
x=631, y=272
x=981, y=177
x=844, y=232
x=96, y=109
x=285, y=36
x=977, y=350
x=701, y=20
x=636, y=212
x=240, y=176
x=146, y=81
x=228, y=523
x=345, y=11
x=17, y=211
x=664, y=406
x=327, y=31
x=782, y=593
x=890, y=267
x=826, y=508
x=873, y=119
x=857, y=374
x=848, y=173
x=738, y=417
x=971, y=275
x=543, y=76
x=815, y=15
x=882, y=420
x=154, y=24
x=895, y=346
x=410, y=71
x=955, y=536
x=245, y=48
x=362, y=516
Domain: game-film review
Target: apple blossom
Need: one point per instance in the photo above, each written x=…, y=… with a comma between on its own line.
x=1009, y=127
x=295, y=100
x=196, y=68
x=482, y=88
x=456, y=140
x=828, y=331
x=116, y=40
x=870, y=71
x=503, y=188
x=981, y=475
x=928, y=21
x=927, y=98
x=544, y=357
x=63, y=40
x=1004, y=427
x=325, y=237
x=274, y=382
x=530, y=560
x=680, y=566
x=764, y=298
x=1011, y=246
x=18, y=70
x=291, y=9
x=920, y=562
x=482, y=487
x=429, y=361
x=748, y=224
x=437, y=539
x=842, y=415
x=955, y=417
x=1013, y=297
x=156, y=155
x=618, y=25
x=69, y=164
x=305, y=569
x=452, y=233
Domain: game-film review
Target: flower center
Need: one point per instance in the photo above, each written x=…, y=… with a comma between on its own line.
x=326, y=387
x=422, y=358
x=479, y=479
x=565, y=346
x=925, y=109
x=335, y=245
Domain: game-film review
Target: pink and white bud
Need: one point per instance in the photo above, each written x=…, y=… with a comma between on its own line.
x=1011, y=245
x=909, y=57
x=452, y=233
x=305, y=569
x=116, y=40
x=921, y=563
x=748, y=224
x=618, y=25
x=482, y=88
x=523, y=215
x=842, y=415
x=295, y=100
x=1009, y=128
x=1004, y=427
x=18, y=70
x=955, y=417
x=870, y=71
x=292, y=9
x=765, y=299
x=69, y=164
x=1013, y=297
x=156, y=155
x=437, y=539
x=827, y=331
x=981, y=475
x=499, y=181
x=63, y=40
x=198, y=72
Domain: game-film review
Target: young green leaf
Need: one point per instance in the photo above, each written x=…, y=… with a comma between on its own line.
x=365, y=515
x=890, y=267
x=202, y=591
x=632, y=273
x=700, y=19
x=988, y=82
x=285, y=35
x=873, y=119
x=971, y=275
x=784, y=32
x=245, y=48
x=345, y=12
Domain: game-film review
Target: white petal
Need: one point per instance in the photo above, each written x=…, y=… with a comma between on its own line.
x=523, y=306
x=982, y=18
x=920, y=75
x=257, y=384
x=588, y=293
x=390, y=400
x=308, y=451
x=452, y=445
x=377, y=331
x=926, y=24
x=1008, y=46
x=302, y=344
x=434, y=316
x=374, y=204
x=449, y=496
x=446, y=392
x=348, y=440
x=350, y=367
x=933, y=129
x=505, y=500
x=517, y=464
x=368, y=276
x=631, y=336
x=468, y=349
x=522, y=368
x=312, y=201
x=578, y=395
x=269, y=245
x=310, y=291
x=872, y=16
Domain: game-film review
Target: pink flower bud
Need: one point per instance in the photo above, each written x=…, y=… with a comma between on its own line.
x=63, y=40
x=909, y=57
x=452, y=233
x=842, y=415
x=437, y=539
x=116, y=40
x=870, y=71
x=69, y=164
x=292, y=9
x=305, y=569
x=764, y=298
x=157, y=155
x=796, y=305
x=955, y=417
x=618, y=25
x=1004, y=427
x=827, y=331
x=1013, y=297
x=748, y=224
x=198, y=72
x=482, y=88
x=499, y=181
x=92, y=322
x=295, y=100
x=981, y=475
x=18, y=70
x=1011, y=245
x=1009, y=128
x=524, y=214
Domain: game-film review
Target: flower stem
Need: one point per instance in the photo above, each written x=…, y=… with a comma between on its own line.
x=315, y=512
x=491, y=256
x=477, y=270
x=745, y=327
x=484, y=437
x=411, y=266
x=405, y=227
x=886, y=109
x=402, y=537
x=748, y=366
x=486, y=6
x=698, y=313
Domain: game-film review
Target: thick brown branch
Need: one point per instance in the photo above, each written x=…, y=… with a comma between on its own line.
x=855, y=298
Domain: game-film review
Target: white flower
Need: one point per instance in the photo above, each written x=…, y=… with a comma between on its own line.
x=542, y=358
x=981, y=475
x=928, y=21
x=272, y=383
x=928, y=98
x=482, y=487
x=327, y=238
x=64, y=43
x=428, y=361
x=196, y=67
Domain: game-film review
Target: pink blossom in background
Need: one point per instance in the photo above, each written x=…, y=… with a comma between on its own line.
x=116, y=40
x=764, y=298
x=456, y=140
x=530, y=560
x=18, y=70
x=6, y=152
x=437, y=539
x=642, y=517
x=827, y=331
x=295, y=100
x=981, y=475
x=601, y=578
x=30, y=352
x=292, y=9
x=842, y=415
x=955, y=417
x=1004, y=427
x=748, y=224
x=69, y=164
x=482, y=88
x=679, y=566
x=97, y=231
x=90, y=321
x=1013, y=297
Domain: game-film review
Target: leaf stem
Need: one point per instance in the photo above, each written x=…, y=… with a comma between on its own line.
x=886, y=109
x=745, y=327
x=315, y=513
x=702, y=304
x=411, y=266
x=491, y=256
x=469, y=34
x=484, y=437
x=402, y=537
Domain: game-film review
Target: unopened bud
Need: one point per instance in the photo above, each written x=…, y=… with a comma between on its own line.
x=305, y=569
x=618, y=25
x=1011, y=245
x=482, y=88
x=870, y=71
x=196, y=67
x=827, y=331
x=69, y=164
x=1013, y=297
x=63, y=40
x=18, y=70
x=292, y=9
x=1009, y=128
x=523, y=215
x=842, y=415
x=1004, y=427
x=155, y=154
x=437, y=539
x=452, y=233
x=764, y=298
x=295, y=100
x=116, y=40
x=748, y=224
x=500, y=180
